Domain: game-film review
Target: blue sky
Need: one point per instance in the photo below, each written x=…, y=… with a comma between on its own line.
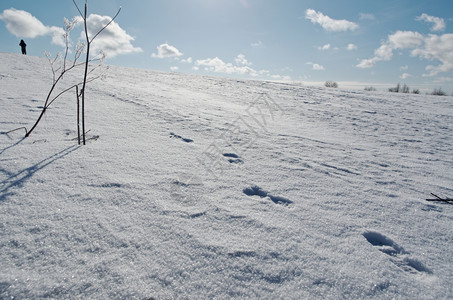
x=356, y=43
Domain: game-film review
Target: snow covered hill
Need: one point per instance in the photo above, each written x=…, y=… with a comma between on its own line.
x=200, y=187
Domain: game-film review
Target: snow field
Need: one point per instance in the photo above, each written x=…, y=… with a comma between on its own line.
x=202, y=187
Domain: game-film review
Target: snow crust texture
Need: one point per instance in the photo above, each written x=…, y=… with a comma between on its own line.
x=194, y=187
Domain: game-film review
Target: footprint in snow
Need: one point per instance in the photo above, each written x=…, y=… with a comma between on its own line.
x=257, y=191
x=397, y=254
x=173, y=135
x=432, y=207
x=233, y=158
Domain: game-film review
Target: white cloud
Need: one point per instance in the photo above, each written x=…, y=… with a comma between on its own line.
x=438, y=23
x=404, y=68
x=366, y=63
x=165, y=50
x=257, y=44
x=174, y=68
x=242, y=61
x=328, y=23
x=351, y=47
x=437, y=48
x=365, y=16
x=113, y=40
x=383, y=53
x=242, y=67
x=324, y=48
x=189, y=60
x=405, y=76
x=431, y=47
x=219, y=66
x=405, y=39
x=316, y=67
x=22, y=24
x=280, y=77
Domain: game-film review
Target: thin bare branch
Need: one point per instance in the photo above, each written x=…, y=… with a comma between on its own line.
x=66, y=37
x=78, y=114
x=71, y=87
x=77, y=8
x=8, y=132
x=117, y=13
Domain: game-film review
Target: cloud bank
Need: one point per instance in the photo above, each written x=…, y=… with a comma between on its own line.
x=430, y=47
x=219, y=66
x=241, y=67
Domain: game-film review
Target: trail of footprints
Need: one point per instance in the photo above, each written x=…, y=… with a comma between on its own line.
x=232, y=158
x=397, y=254
x=253, y=190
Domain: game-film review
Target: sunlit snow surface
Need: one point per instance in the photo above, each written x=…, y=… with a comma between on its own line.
x=200, y=187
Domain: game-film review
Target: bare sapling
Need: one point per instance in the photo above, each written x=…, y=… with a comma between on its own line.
x=61, y=66
x=89, y=41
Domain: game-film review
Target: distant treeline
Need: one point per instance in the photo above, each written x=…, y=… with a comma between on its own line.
x=398, y=89
x=406, y=90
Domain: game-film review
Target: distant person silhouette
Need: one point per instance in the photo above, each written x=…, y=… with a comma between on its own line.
x=23, y=46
